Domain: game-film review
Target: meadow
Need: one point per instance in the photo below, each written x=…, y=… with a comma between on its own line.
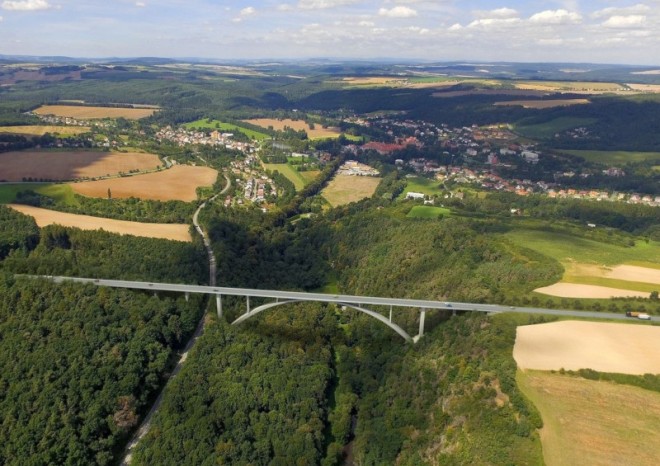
x=543, y=103
x=40, y=130
x=60, y=192
x=205, y=123
x=344, y=189
x=593, y=422
x=422, y=185
x=289, y=172
x=550, y=128
x=425, y=211
x=613, y=157
x=279, y=125
x=94, y=113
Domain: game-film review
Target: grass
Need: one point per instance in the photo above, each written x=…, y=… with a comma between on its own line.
x=567, y=248
x=613, y=157
x=289, y=172
x=309, y=175
x=60, y=192
x=422, y=185
x=425, y=211
x=40, y=130
x=593, y=422
x=548, y=129
x=222, y=126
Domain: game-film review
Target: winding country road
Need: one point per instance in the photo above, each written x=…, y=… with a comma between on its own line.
x=146, y=423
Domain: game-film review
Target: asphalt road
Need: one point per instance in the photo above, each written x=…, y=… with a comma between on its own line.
x=358, y=300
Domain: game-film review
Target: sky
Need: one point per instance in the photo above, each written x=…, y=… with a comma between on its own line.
x=595, y=31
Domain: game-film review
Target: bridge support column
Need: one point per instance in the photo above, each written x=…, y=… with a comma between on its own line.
x=187, y=296
x=422, y=317
x=218, y=305
x=248, y=305
x=453, y=312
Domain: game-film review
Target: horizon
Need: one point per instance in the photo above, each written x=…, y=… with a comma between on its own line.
x=556, y=31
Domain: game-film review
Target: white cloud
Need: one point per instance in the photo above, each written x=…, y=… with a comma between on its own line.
x=455, y=27
x=398, y=12
x=26, y=5
x=323, y=4
x=366, y=24
x=497, y=13
x=284, y=7
x=556, y=17
x=625, y=21
x=140, y=4
x=613, y=11
x=248, y=11
x=493, y=22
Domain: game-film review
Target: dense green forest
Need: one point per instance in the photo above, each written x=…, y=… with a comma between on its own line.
x=78, y=365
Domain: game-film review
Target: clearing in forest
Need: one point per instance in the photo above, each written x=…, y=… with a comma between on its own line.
x=71, y=165
x=40, y=130
x=44, y=217
x=177, y=183
x=82, y=112
x=594, y=422
x=279, y=125
x=344, y=189
x=604, y=347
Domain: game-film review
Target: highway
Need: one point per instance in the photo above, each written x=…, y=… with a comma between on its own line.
x=341, y=299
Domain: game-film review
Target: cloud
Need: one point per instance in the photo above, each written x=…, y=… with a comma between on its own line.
x=284, y=7
x=140, y=4
x=625, y=21
x=398, y=12
x=556, y=17
x=455, y=27
x=497, y=13
x=25, y=5
x=323, y=4
x=366, y=24
x=493, y=22
x=248, y=11
x=613, y=11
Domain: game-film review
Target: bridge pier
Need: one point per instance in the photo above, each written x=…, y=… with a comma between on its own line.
x=453, y=312
x=218, y=305
x=248, y=305
x=422, y=318
x=187, y=295
x=390, y=313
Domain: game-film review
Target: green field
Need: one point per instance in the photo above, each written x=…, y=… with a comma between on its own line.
x=566, y=248
x=426, y=211
x=296, y=177
x=422, y=185
x=613, y=157
x=593, y=422
x=548, y=129
x=59, y=192
x=222, y=126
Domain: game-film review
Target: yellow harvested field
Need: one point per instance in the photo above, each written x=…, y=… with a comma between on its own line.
x=634, y=273
x=40, y=130
x=344, y=189
x=645, y=87
x=543, y=103
x=604, y=347
x=587, y=422
x=576, y=290
x=91, y=113
x=177, y=183
x=56, y=165
x=569, y=86
x=317, y=133
x=44, y=217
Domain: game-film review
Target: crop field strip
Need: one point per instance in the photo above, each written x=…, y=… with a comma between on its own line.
x=344, y=189
x=94, y=113
x=222, y=126
x=40, y=130
x=317, y=133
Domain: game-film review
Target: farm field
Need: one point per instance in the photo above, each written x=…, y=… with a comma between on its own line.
x=570, y=86
x=548, y=129
x=177, y=183
x=71, y=165
x=309, y=175
x=317, y=133
x=593, y=269
x=204, y=123
x=289, y=172
x=344, y=189
x=594, y=422
x=613, y=157
x=425, y=211
x=604, y=347
x=543, y=103
x=44, y=217
x=40, y=130
x=93, y=113
x=60, y=192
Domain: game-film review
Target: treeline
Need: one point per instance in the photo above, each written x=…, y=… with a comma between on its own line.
x=17, y=231
x=79, y=365
x=73, y=252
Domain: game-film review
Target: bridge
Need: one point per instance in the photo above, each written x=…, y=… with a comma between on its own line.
x=358, y=303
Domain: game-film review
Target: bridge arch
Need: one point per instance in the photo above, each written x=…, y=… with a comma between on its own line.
x=375, y=315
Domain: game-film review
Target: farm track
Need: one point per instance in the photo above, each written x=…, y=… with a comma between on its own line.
x=144, y=428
